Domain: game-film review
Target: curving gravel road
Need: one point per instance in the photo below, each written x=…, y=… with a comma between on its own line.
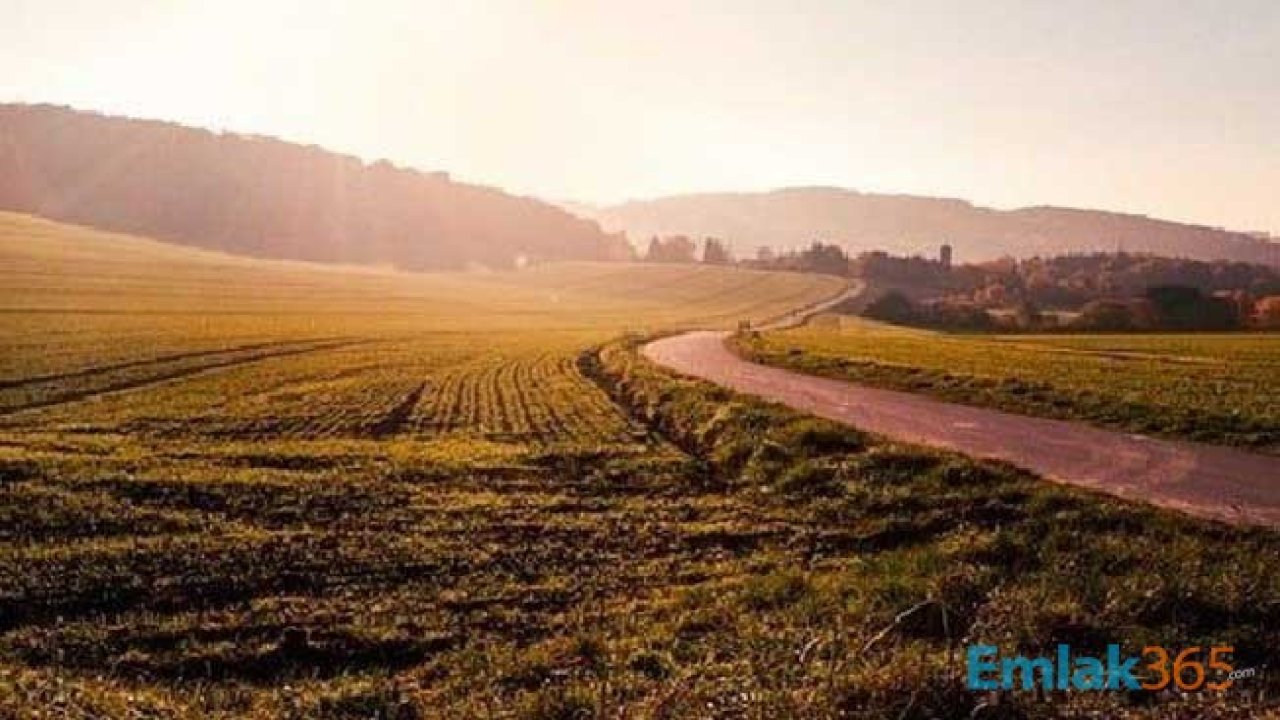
x=1206, y=480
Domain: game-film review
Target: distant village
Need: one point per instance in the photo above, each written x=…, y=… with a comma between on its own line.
x=1095, y=291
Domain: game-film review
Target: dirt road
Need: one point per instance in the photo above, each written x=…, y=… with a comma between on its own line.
x=798, y=316
x=1204, y=480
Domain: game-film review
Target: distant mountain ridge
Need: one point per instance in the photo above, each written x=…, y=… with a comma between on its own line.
x=909, y=224
x=264, y=197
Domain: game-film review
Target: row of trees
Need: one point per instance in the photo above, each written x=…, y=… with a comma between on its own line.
x=1165, y=307
x=828, y=259
x=1177, y=307
x=681, y=249
x=824, y=258
x=895, y=307
x=1097, y=291
x=1069, y=282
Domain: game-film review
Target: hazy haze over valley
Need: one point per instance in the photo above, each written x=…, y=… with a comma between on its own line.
x=907, y=224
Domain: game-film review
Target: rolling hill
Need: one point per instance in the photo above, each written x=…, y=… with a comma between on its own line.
x=65, y=271
x=909, y=224
x=268, y=198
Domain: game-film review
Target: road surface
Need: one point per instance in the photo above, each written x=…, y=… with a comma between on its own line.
x=792, y=318
x=1205, y=480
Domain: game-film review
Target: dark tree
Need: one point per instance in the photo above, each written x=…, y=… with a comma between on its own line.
x=1105, y=315
x=654, y=253
x=1180, y=307
x=675, y=249
x=714, y=252
x=892, y=307
x=826, y=259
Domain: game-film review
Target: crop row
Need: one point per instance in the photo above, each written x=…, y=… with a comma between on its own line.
x=538, y=398
x=413, y=389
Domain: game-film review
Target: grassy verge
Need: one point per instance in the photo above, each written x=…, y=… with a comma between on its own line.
x=1210, y=388
x=916, y=554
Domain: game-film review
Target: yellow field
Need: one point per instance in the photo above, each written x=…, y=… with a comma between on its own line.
x=265, y=349
x=202, y=457
x=245, y=489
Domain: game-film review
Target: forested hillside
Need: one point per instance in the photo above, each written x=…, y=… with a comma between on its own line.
x=268, y=198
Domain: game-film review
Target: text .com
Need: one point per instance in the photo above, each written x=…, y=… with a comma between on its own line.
x=1155, y=668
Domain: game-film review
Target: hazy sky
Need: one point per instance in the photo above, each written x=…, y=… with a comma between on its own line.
x=1167, y=107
